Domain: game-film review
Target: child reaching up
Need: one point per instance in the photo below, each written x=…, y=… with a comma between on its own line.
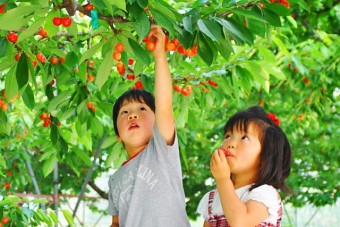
x=250, y=167
x=147, y=190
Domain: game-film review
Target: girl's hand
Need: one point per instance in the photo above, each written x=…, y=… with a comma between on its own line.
x=219, y=165
x=158, y=37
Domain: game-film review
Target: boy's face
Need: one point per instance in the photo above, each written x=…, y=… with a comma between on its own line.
x=135, y=124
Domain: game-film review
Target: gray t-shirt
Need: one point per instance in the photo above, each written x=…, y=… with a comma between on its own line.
x=148, y=191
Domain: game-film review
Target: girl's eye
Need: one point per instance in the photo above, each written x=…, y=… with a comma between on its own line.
x=226, y=137
x=245, y=137
x=143, y=108
x=123, y=112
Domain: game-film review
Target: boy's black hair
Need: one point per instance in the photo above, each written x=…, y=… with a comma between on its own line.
x=275, y=157
x=137, y=95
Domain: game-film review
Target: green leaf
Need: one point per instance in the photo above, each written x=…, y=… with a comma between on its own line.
x=206, y=51
x=54, y=134
x=53, y=216
x=163, y=21
x=49, y=164
x=163, y=10
x=16, y=18
x=142, y=25
x=189, y=23
x=66, y=114
x=211, y=29
x=249, y=14
x=140, y=52
x=3, y=46
x=279, y=9
x=236, y=29
x=10, y=200
x=11, y=85
x=58, y=100
x=22, y=71
x=71, y=59
x=271, y=17
x=273, y=70
x=83, y=156
x=104, y=70
x=142, y=3
x=259, y=73
x=3, y=162
x=119, y=4
x=90, y=52
x=33, y=28
x=28, y=97
x=68, y=217
x=225, y=49
x=44, y=217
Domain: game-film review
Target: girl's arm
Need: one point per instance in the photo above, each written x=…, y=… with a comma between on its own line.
x=163, y=87
x=115, y=222
x=206, y=224
x=237, y=213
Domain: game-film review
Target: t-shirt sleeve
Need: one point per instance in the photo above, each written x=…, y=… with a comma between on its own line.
x=267, y=195
x=159, y=139
x=202, y=207
x=112, y=207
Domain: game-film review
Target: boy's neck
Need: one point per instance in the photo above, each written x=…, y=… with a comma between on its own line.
x=131, y=152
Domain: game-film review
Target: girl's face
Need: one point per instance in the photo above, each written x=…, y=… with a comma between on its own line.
x=243, y=151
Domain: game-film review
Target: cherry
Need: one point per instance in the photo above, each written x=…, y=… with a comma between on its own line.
x=54, y=60
x=40, y=57
x=5, y=220
x=117, y=56
x=42, y=32
x=2, y=8
x=17, y=56
x=89, y=105
x=120, y=47
x=131, y=61
x=150, y=45
x=12, y=37
x=181, y=49
x=170, y=46
x=89, y=7
x=66, y=21
x=91, y=64
x=57, y=21
x=139, y=85
x=130, y=76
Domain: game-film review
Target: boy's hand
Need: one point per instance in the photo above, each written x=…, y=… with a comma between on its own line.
x=157, y=36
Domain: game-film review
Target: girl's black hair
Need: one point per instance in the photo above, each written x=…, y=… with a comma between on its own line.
x=275, y=157
x=137, y=95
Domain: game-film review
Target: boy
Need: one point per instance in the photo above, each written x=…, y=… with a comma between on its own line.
x=147, y=189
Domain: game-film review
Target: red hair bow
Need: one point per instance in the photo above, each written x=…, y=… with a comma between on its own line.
x=274, y=119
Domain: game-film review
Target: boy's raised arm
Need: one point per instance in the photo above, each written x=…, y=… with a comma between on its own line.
x=163, y=87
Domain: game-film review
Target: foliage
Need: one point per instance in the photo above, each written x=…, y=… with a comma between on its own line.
x=248, y=52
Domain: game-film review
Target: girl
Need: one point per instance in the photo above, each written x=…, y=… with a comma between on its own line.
x=249, y=168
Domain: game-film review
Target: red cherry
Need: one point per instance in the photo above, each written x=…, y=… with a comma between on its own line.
x=139, y=84
x=66, y=21
x=131, y=61
x=89, y=105
x=5, y=220
x=17, y=56
x=57, y=21
x=42, y=32
x=12, y=37
x=120, y=47
x=54, y=60
x=41, y=57
x=150, y=45
x=130, y=76
x=117, y=56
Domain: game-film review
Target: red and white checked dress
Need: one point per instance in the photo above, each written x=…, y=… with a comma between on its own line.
x=221, y=221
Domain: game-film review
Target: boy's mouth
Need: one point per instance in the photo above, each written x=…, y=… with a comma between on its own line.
x=133, y=125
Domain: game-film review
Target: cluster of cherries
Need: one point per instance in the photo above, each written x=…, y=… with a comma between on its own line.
x=282, y=2
x=65, y=21
x=91, y=107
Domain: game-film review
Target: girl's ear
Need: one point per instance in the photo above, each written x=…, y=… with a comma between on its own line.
x=119, y=139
